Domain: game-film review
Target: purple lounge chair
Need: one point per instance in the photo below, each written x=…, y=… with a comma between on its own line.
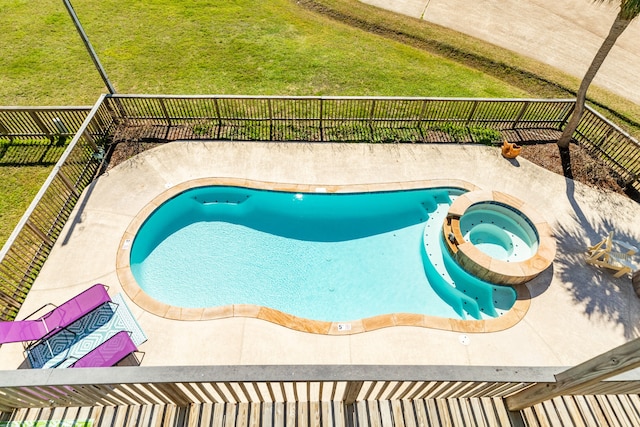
x=56, y=319
x=108, y=353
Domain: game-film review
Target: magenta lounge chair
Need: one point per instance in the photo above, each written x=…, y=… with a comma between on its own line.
x=56, y=319
x=108, y=353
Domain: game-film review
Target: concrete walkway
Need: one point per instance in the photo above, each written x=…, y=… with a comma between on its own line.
x=577, y=311
x=565, y=34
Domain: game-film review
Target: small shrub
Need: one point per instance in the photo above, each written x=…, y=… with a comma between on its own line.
x=461, y=133
x=458, y=133
x=485, y=136
x=202, y=129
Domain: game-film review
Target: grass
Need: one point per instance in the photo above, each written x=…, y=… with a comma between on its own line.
x=24, y=166
x=204, y=47
x=18, y=186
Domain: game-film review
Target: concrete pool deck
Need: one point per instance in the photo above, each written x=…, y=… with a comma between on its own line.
x=576, y=311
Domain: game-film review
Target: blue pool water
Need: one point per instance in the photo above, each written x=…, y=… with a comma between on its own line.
x=331, y=257
x=499, y=231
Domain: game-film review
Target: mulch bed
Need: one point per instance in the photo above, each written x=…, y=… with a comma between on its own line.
x=584, y=167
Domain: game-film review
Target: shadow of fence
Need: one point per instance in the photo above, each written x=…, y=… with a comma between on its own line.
x=43, y=152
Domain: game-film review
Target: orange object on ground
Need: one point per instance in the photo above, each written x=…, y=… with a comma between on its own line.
x=510, y=150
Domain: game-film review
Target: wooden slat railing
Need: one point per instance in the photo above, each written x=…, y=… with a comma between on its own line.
x=184, y=386
x=582, y=378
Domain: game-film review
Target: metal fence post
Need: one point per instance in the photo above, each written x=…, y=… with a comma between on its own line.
x=67, y=182
x=471, y=113
x=41, y=234
x=321, y=120
x=40, y=124
x=520, y=114
x=166, y=116
x=270, y=113
x=371, y=113
x=217, y=108
x=564, y=120
x=5, y=131
x=90, y=140
x=87, y=44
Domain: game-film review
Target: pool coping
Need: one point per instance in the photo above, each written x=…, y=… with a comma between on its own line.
x=153, y=306
x=491, y=269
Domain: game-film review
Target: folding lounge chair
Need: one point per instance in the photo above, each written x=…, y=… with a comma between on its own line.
x=56, y=319
x=604, y=254
x=109, y=353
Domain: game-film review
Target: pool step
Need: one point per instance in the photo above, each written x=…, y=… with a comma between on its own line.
x=465, y=293
x=221, y=198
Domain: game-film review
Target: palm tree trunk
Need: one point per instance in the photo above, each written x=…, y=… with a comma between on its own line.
x=619, y=25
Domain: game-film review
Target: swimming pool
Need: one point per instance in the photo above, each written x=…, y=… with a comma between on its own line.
x=316, y=255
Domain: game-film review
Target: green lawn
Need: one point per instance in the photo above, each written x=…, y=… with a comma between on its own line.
x=207, y=47
x=18, y=186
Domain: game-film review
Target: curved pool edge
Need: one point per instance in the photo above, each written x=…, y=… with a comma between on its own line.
x=153, y=306
x=482, y=265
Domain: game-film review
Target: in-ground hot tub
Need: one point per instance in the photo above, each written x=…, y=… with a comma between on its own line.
x=498, y=238
x=499, y=231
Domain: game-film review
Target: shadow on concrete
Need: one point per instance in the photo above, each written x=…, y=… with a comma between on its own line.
x=77, y=218
x=514, y=162
x=601, y=295
x=541, y=283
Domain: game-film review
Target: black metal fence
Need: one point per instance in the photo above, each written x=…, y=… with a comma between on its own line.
x=26, y=250
x=25, y=123
x=37, y=135
x=313, y=119
x=616, y=147
x=334, y=119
